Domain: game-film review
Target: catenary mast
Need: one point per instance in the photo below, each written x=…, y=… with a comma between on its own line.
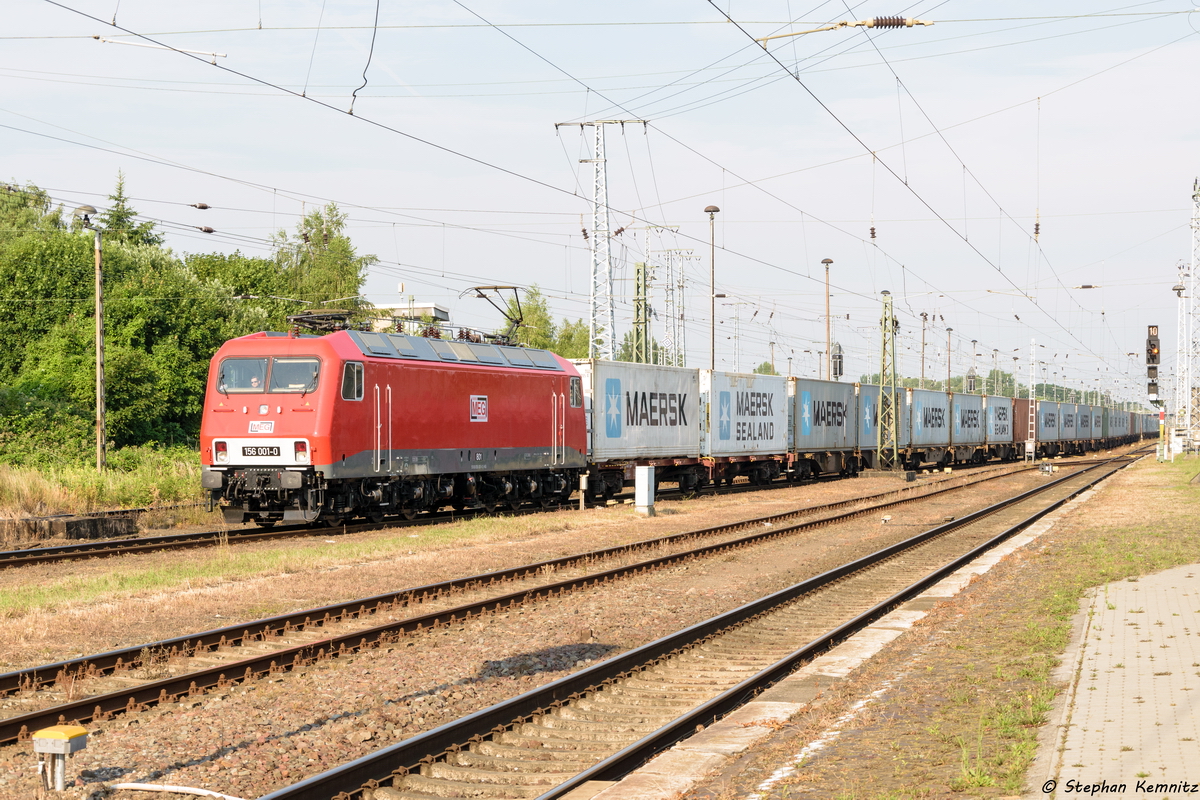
x=602, y=314
x=1189, y=403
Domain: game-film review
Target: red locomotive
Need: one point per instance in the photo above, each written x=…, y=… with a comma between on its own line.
x=302, y=428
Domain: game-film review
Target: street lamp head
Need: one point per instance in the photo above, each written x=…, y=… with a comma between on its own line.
x=711, y=210
x=85, y=213
x=1178, y=289
x=886, y=293
x=827, y=262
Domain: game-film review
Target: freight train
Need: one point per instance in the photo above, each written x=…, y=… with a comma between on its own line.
x=323, y=429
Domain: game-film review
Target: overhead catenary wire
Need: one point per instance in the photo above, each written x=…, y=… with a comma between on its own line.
x=902, y=180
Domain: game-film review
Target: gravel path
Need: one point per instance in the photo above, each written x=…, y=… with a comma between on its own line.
x=251, y=740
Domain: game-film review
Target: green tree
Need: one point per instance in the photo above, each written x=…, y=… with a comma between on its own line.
x=537, y=326
x=625, y=351
x=765, y=368
x=320, y=264
x=258, y=284
x=164, y=319
x=119, y=220
x=572, y=339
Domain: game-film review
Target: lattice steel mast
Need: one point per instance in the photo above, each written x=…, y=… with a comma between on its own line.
x=1180, y=396
x=886, y=447
x=602, y=341
x=1031, y=431
x=674, y=296
x=1191, y=391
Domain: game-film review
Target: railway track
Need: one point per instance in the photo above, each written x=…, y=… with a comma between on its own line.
x=77, y=551
x=602, y=722
x=100, y=686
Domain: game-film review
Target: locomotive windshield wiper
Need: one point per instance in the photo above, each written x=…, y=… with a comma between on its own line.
x=221, y=384
x=308, y=387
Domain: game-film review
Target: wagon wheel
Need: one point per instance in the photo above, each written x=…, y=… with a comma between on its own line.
x=457, y=505
x=514, y=505
x=548, y=501
x=408, y=512
x=265, y=523
x=489, y=506
x=375, y=516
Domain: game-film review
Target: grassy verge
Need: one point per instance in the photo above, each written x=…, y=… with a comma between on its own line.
x=965, y=719
x=137, y=477
x=226, y=564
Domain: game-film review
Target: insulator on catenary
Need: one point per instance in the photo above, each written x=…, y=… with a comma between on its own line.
x=201, y=206
x=872, y=231
x=1037, y=228
x=204, y=228
x=585, y=234
x=890, y=22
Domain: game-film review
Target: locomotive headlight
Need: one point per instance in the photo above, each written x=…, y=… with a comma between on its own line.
x=221, y=449
x=301, y=452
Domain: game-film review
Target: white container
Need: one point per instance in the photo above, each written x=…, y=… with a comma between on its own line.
x=968, y=419
x=998, y=428
x=1047, y=421
x=745, y=414
x=929, y=418
x=824, y=416
x=1068, y=422
x=640, y=411
x=1083, y=422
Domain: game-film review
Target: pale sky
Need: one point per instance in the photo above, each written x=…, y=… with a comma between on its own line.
x=453, y=174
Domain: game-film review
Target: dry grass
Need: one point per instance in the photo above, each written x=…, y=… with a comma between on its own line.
x=138, y=477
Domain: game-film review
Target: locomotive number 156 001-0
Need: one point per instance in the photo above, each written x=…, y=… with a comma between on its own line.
x=260, y=451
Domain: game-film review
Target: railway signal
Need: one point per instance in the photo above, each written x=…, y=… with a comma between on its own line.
x=1152, y=348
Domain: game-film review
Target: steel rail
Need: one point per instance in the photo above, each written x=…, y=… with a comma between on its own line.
x=192, y=683
x=182, y=541
x=638, y=753
x=130, y=657
x=397, y=760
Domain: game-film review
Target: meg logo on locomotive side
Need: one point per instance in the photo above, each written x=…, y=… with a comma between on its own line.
x=479, y=408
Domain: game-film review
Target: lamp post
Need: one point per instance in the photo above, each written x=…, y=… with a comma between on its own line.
x=712, y=287
x=974, y=358
x=948, y=332
x=85, y=214
x=828, y=374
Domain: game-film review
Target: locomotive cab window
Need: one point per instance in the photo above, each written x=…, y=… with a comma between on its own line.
x=576, y=392
x=242, y=376
x=352, y=381
x=297, y=375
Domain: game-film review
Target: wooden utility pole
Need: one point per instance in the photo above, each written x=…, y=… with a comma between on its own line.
x=101, y=431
